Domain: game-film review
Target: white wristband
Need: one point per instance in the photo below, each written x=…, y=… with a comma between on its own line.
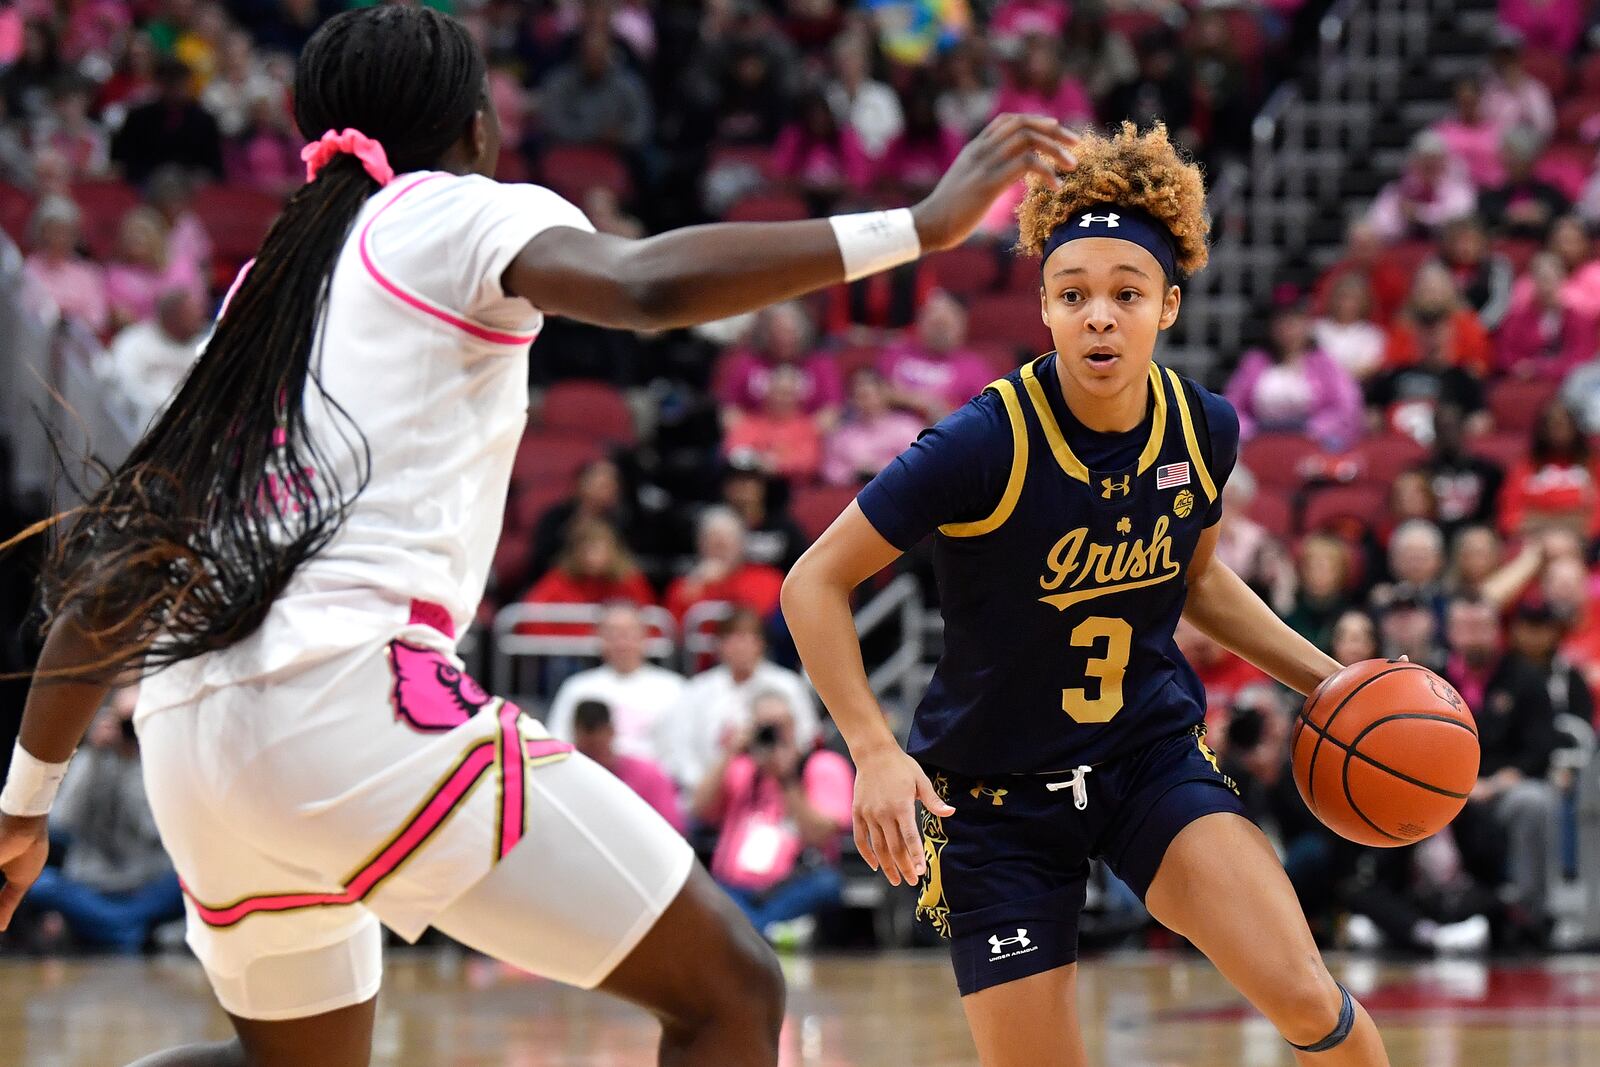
x=31, y=786
x=875, y=241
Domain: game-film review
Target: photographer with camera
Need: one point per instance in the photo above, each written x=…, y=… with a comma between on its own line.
x=782, y=811
x=117, y=883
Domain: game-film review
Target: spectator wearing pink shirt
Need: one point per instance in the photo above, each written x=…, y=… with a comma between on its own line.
x=1570, y=241
x=1040, y=85
x=1472, y=137
x=1513, y=97
x=935, y=373
x=76, y=285
x=1433, y=190
x=781, y=437
x=821, y=157
x=143, y=270
x=594, y=735
x=781, y=337
x=266, y=155
x=171, y=192
x=1292, y=386
x=781, y=812
x=915, y=160
x=1542, y=336
x=1014, y=21
x=1553, y=25
x=871, y=436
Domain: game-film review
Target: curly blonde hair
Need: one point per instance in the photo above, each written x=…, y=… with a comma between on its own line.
x=1131, y=169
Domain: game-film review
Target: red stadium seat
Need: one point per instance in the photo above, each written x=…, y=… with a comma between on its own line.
x=237, y=219
x=1552, y=68
x=552, y=458
x=1409, y=255
x=572, y=170
x=1589, y=74
x=1572, y=116
x=814, y=507
x=1273, y=509
x=1332, y=505
x=1385, y=457
x=754, y=158
x=103, y=204
x=1566, y=166
x=768, y=207
x=16, y=207
x=1282, y=460
x=964, y=270
x=1008, y=318
x=1002, y=357
x=589, y=409
x=1515, y=405
x=1502, y=448
x=1248, y=37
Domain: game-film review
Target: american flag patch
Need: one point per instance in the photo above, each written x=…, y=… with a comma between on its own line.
x=1173, y=474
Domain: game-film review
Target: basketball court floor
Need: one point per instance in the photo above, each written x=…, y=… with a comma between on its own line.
x=898, y=1010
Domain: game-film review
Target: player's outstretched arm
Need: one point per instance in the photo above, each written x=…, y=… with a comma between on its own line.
x=66, y=693
x=816, y=605
x=702, y=273
x=1225, y=609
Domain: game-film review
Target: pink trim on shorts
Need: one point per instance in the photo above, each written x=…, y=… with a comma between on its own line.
x=482, y=333
x=513, y=781
x=434, y=813
x=427, y=613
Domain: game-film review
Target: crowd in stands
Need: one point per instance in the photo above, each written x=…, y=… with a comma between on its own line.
x=1416, y=477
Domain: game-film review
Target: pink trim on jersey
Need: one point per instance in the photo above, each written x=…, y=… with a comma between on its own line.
x=427, y=613
x=238, y=280
x=433, y=815
x=483, y=333
x=513, y=783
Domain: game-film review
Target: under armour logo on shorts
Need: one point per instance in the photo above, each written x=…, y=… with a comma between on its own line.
x=1111, y=220
x=998, y=944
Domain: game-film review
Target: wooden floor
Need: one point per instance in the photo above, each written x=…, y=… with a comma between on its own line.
x=892, y=1010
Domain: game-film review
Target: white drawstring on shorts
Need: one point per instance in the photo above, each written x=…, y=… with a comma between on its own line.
x=1078, y=783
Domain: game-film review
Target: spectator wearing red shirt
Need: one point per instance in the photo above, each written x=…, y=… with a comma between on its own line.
x=1437, y=318
x=780, y=437
x=782, y=812
x=721, y=572
x=1557, y=484
x=594, y=569
x=1542, y=336
x=781, y=336
x=595, y=736
x=1366, y=257
x=1222, y=674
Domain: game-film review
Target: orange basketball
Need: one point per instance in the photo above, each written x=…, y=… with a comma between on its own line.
x=1385, y=752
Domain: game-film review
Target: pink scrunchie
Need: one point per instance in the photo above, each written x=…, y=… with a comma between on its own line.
x=317, y=154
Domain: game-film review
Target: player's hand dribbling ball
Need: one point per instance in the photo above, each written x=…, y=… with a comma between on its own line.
x=1385, y=752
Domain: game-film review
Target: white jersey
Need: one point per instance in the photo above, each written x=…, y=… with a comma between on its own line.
x=427, y=355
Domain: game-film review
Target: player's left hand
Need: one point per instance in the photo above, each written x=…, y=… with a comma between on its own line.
x=888, y=785
x=24, y=846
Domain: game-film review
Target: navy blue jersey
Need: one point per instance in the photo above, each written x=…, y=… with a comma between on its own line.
x=1061, y=557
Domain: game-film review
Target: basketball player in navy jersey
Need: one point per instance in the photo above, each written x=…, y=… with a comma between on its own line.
x=1074, y=506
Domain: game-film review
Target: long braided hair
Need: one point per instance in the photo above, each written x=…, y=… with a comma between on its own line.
x=185, y=547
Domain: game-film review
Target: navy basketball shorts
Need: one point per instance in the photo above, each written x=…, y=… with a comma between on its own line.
x=1007, y=873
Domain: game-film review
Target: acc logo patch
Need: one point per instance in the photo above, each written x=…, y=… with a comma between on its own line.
x=1183, y=504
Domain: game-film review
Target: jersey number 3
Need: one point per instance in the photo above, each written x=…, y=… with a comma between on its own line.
x=1107, y=669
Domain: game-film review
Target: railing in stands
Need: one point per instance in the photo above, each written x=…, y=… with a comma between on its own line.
x=512, y=651
x=903, y=672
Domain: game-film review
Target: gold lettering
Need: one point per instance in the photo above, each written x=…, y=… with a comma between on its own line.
x=1075, y=562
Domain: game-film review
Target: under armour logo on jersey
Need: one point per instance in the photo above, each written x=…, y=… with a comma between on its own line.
x=1110, y=487
x=998, y=944
x=1111, y=221
x=996, y=796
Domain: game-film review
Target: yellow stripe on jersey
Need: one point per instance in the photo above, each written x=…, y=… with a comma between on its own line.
x=1019, y=470
x=1201, y=471
x=1069, y=461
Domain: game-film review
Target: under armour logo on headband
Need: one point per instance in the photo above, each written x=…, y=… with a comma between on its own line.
x=1110, y=220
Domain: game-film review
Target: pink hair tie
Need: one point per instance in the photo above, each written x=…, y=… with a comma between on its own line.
x=353, y=142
